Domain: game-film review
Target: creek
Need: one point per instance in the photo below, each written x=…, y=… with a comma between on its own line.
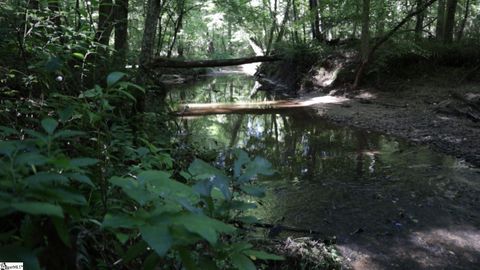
x=388, y=203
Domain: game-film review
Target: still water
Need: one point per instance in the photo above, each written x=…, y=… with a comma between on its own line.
x=388, y=203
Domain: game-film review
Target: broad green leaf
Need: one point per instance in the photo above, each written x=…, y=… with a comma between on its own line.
x=83, y=162
x=151, y=261
x=7, y=148
x=204, y=226
x=39, y=208
x=242, y=262
x=114, y=77
x=126, y=94
x=160, y=183
x=204, y=171
x=259, y=166
x=133, y=189
x=43, y=178
x=187, y=261
x=30, y=159
x=158, y=237
x=81, y=178
x=262, y=255
x=66, y=114
x=49, y=125
x=121, y=221
x=241, y=159
x=95, y=92
x=135, y=251
x=62, y=230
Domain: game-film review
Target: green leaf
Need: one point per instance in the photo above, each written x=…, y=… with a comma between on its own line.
x=241, y=159
x=66, y=114
x=39, y=208
x=253, y=191
x=133, y=189
x=202, y=171
x=187, y=261
x=114, y=77
x=66, y=133
x=30, y=159
x=151, y=261
x=80, y=178
x=92, y=93
x=49, y=125
x=62, y=231
x=257, y=166
x=160, y=183
x=158, y=237
x=204, y=226
x=78, y=55
x=7, y=148
x=262, y=255
x=242, y=262
x=121, y=221
x=135, y=251
x=46, y=178
x=83, y=162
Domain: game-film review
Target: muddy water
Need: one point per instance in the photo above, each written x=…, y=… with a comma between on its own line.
x=390, y=205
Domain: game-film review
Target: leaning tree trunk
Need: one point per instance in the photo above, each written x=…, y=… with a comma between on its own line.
x=368, y=58
x=464, y=21
x=450, y=20
x=178, y=27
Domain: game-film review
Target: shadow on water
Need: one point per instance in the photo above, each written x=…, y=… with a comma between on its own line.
x=389, y=204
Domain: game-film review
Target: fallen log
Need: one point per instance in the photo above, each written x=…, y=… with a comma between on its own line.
x=171, y=63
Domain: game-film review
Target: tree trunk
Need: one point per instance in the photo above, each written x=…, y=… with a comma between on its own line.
x=284, y=22
x=295, y=20
x=380, y=26
x=440, y=20
x=419, y=21
x=464, y=21
x=316, y=33
x=121, y=31
x=148, y=43
x=105, y=21
x=450, y=20
x=365, y=40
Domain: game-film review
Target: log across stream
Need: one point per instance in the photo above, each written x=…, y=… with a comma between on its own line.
x=255, y=107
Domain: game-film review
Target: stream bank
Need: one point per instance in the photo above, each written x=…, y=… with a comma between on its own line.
x=438, y=106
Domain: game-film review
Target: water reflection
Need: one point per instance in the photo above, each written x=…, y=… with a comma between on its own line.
x=365, y=188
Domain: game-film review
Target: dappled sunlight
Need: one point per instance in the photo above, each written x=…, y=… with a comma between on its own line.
x=432, y=248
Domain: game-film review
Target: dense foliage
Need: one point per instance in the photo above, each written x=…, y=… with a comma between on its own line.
x=92, y=178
